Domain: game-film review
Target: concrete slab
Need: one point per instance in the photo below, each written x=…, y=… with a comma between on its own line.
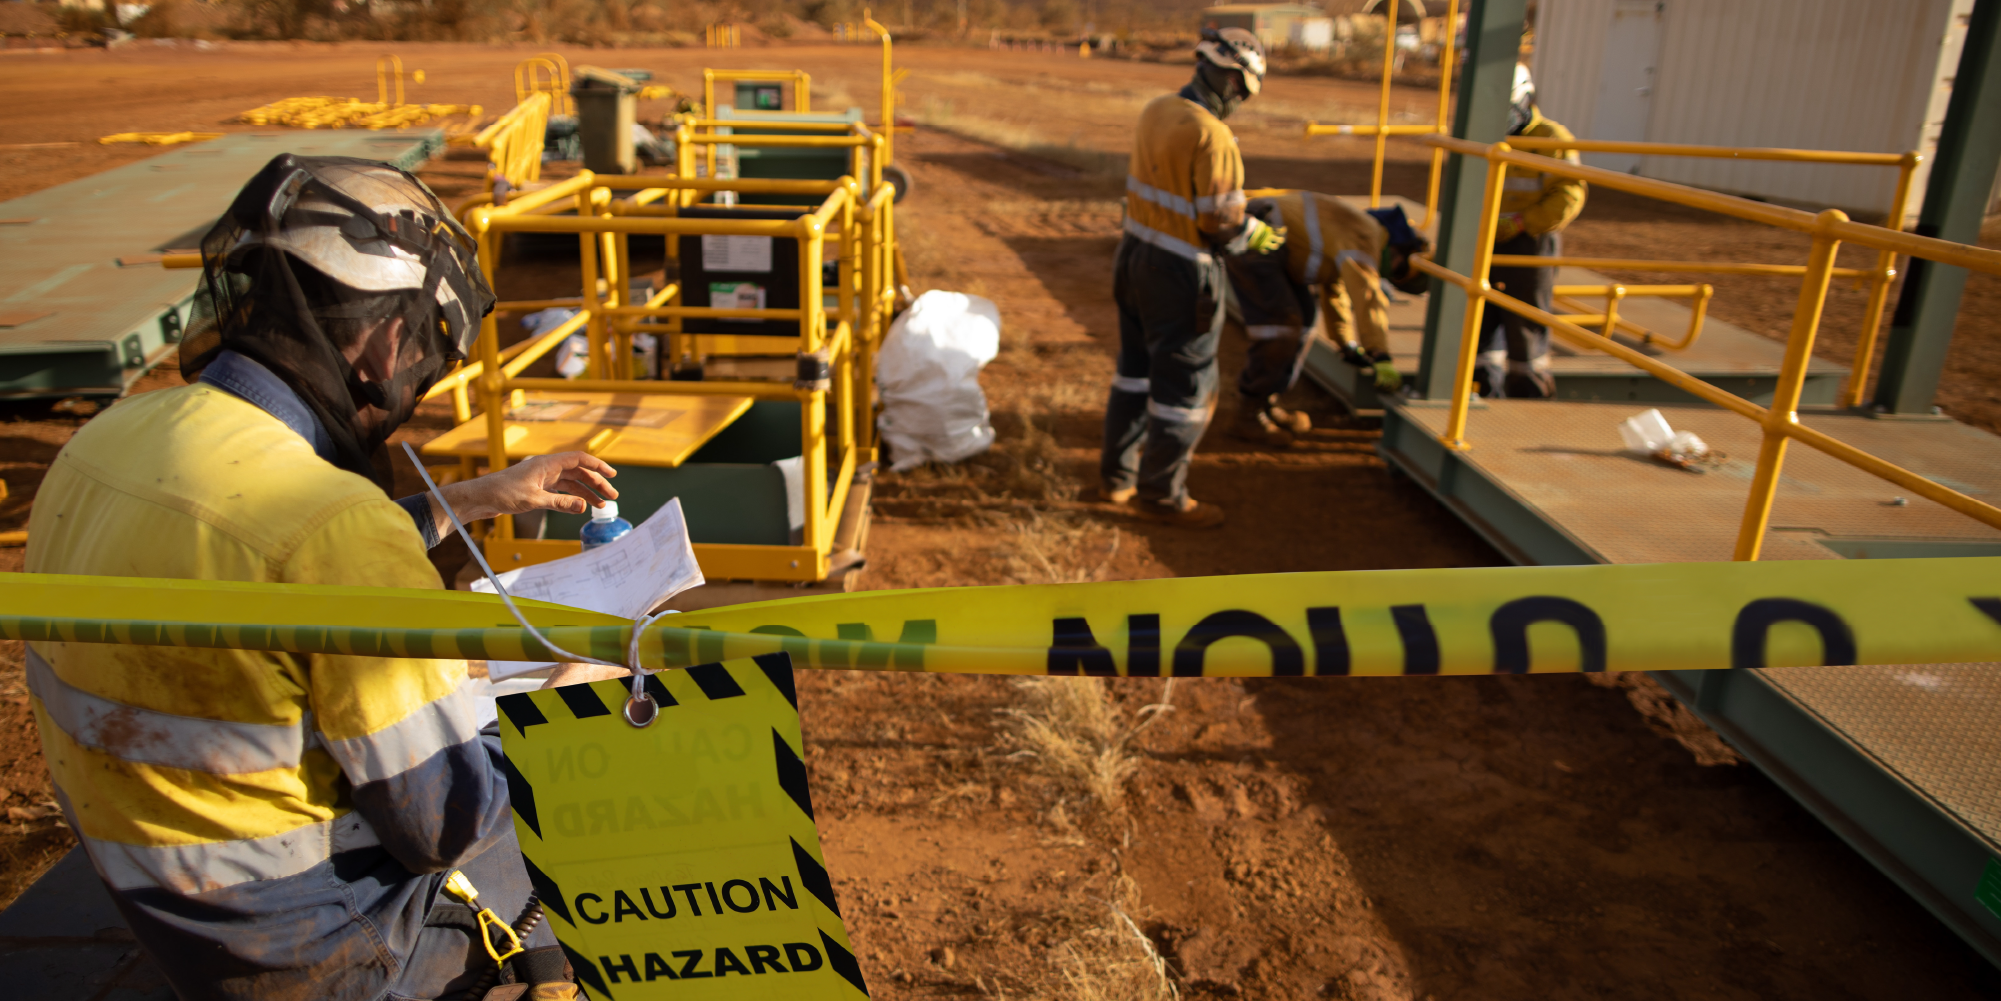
x=80, y=322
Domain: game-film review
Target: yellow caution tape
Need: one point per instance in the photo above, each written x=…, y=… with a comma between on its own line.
x=674, y=859
x=1652, y=617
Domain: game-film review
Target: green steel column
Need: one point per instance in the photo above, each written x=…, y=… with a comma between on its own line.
x=1493, y=43
x=1962, y=178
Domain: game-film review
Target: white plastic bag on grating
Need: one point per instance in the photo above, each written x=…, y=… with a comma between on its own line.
x=928, y=372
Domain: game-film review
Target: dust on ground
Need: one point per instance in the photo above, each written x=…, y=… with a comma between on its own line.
x=1506, y=838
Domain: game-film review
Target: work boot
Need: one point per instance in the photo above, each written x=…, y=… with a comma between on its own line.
x=1291, y=420
x=1191, y=513
x=1116, y=495
x=1251, y=424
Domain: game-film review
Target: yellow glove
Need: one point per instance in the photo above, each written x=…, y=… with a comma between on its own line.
x=1508, y=227
x=1388, y=379
x=1264, y=238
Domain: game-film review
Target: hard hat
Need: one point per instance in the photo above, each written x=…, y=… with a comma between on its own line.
x=1523, y=91
x=319, y=254
x=1234, y=49
x=1521, y=100
x=369, y=227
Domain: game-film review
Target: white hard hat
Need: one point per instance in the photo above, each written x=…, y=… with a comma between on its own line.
x=1235, y=49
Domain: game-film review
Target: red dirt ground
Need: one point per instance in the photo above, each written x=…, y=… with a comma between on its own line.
x=1504, y=838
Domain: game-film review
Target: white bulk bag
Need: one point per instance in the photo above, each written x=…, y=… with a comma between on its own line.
x=928, y=374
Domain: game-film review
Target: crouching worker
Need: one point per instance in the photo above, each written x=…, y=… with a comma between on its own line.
x=275, y=825
x=1338, y=255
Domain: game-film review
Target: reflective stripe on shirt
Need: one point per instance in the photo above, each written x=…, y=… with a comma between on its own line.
x=218, y=747
x=1171, y=244
x=408, y=742
x=1129, y=384
x=1170, y=202
x=214, y=865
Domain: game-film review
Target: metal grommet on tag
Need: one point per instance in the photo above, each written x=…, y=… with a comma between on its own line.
x=641, y=711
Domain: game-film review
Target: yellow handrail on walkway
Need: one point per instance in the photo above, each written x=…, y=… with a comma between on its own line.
x=1780, y=421
x=1382, y=130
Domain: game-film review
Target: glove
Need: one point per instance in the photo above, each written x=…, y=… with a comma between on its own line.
x=1388, y=379
x=1262, y=237
x=1508, y=227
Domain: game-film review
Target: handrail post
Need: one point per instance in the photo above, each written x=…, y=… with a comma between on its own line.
x=1784, y=411
x=492, y=383
x=1383, y=101
x=1879, y=289
x=587, y=245
x=1476, y=301
x=1445, y=66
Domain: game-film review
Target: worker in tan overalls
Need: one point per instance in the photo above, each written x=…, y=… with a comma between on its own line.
x=1337, y=256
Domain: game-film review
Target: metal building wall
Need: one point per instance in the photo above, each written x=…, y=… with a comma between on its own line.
x=1865, y=75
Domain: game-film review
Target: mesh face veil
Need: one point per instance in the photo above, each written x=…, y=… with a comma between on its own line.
x=321, y=258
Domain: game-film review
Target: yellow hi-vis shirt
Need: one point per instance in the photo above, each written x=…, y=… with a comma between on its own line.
x=1336, y=247
x=1546, y=202
x=1185, y=185
x=237, y=778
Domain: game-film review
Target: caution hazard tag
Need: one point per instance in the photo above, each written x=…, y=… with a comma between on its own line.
x=679, y=859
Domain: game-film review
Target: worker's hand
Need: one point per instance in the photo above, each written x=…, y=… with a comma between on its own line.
x=1388, y=379
x=1263, y=237
x=1508, y=227
x=567, y=481
x=578, y=674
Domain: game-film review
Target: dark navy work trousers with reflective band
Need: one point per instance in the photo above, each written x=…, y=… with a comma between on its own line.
x=1170, y=321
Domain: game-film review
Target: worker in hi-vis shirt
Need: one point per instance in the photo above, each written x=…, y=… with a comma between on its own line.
x=1535, y=207
x=279, y=825
x=1337, y=256
x=1184, y=208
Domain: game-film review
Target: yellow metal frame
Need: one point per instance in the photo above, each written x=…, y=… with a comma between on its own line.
x=801, y=81
x=545, y=73
x=1780, y=421
x=859, y=221
x=1382, y=130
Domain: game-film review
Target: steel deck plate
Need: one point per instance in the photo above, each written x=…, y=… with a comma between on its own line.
x=1564, y=461
x=98, y=325
x=1904, y=762
x=1937, y=725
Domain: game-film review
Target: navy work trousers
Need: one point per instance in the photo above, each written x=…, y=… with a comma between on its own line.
x=1514, y=350
x=1170, y=321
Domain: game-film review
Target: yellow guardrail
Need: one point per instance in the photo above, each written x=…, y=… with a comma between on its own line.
x=1879, y=277
x=545, y=73
x=837, y=414
x=1382, y=130
x=1780, y=421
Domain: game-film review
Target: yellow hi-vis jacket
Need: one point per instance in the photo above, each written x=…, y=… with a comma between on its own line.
x=1185, y=185
x=1336, y=247
x=1545, y=202
x=251, y=786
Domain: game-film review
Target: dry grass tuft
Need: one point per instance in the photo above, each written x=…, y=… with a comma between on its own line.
x=1104, y=957
x=1071, y=730
x=1055, y=549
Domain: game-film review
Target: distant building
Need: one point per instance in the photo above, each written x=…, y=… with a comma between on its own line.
x=1277, y=25
x=1851, y=75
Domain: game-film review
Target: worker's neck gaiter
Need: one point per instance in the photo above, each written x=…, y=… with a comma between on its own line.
x=1216, y=89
